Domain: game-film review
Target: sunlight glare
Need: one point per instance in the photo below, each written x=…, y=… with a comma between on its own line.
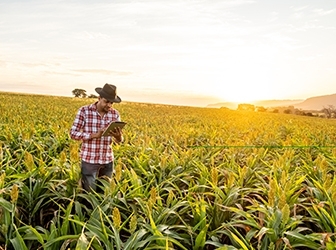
x=249, y=75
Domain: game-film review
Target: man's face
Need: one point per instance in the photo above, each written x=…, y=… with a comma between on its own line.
x=104, y=104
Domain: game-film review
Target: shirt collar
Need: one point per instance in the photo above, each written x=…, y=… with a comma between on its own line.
x=93, y=106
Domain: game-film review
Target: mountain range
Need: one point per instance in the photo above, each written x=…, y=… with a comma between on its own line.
x=312, y=103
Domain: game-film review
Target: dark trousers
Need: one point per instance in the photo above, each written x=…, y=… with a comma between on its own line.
x=90, y=172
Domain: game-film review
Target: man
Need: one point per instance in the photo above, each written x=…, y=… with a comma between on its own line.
x=90, y=122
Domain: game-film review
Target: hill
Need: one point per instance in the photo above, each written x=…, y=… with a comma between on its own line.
x=317, y=102
x=312, y=103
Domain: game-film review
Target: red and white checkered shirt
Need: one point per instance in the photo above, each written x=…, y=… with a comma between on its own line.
x=88, y=121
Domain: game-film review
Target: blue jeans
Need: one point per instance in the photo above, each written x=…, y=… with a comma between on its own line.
x=90, y=172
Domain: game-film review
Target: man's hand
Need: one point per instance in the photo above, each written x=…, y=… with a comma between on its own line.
x=98, y=134
x=117, y=134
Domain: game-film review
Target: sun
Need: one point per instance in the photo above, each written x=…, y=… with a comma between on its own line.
x=242, y=74
x=244, y=93
x=248, y=86
x=249, y=76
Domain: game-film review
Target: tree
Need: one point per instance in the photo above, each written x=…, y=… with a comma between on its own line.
x=261, y=109
x=92, y=96
x=246, y=107
x=329, y=111
x=79, y=93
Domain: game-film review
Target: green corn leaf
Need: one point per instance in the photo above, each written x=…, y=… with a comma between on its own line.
x=60, y=239
x=300, y=240
x=200, y=239
x=32, y=234
x=18, y=242
x=239, y=241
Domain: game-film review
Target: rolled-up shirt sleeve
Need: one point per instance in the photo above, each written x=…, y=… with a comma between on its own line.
x=76, y=131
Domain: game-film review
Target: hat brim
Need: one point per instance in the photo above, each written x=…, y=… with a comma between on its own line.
x=107, y=97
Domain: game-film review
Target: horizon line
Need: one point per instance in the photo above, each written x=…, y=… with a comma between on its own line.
x=209, y=105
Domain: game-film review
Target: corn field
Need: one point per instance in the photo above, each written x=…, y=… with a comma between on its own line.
x=184, y=178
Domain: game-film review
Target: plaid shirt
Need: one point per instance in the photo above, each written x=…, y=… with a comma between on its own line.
x=88, y=121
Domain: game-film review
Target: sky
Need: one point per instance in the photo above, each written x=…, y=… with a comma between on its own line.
x=180, y=52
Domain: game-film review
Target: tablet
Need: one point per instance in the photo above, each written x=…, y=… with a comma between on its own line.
x=112, y=126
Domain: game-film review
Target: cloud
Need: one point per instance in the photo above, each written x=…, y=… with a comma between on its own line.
x=103, y=72
x=307, y=26
x=238, y=2
x=33, y=65
x=60, y=73
x=298, y=15
x=93, y=35
x=283, y=41
x=300, y=8
x=309, y=13
x=322, y=12
x=274, y=16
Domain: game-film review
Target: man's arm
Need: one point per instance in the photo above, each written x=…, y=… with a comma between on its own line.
x=76, y=131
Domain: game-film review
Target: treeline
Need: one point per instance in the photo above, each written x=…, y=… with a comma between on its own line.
x=81, y=93
x=326, y=112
